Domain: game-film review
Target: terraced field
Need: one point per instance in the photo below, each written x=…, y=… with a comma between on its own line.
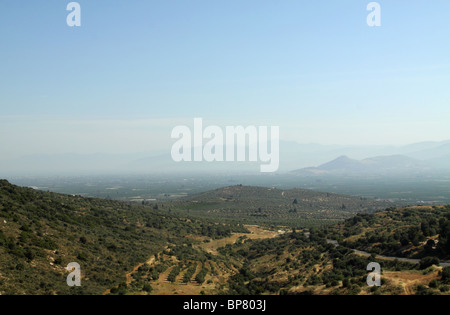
x=193, y=277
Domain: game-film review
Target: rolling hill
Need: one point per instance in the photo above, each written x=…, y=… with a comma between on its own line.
x=298, y=207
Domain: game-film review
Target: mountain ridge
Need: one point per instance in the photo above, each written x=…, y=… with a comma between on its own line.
x=375, y=165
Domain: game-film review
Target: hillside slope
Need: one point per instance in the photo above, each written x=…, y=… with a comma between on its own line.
x=310, y=263
x=42, y=232
x=413, y=232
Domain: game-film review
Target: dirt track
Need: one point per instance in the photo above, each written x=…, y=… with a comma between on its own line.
x=408, y=279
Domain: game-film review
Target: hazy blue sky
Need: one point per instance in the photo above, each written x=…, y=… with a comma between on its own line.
x=135, y=69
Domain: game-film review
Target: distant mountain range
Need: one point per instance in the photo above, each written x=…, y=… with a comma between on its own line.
x=421, y=157
x=309, y=158
x=380, y=165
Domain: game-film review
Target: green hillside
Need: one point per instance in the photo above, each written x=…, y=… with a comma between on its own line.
x=298, y=207
x=42, y=232
x=299, y=263
x=123, y=248
x=413, y=232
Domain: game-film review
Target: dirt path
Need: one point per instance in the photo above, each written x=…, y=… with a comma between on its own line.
x=401, y=259
x=256, y=232
x=409, y=279
x=129, y=276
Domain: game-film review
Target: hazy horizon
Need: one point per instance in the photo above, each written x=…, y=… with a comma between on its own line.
x=293, y=156
x=120, y=82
